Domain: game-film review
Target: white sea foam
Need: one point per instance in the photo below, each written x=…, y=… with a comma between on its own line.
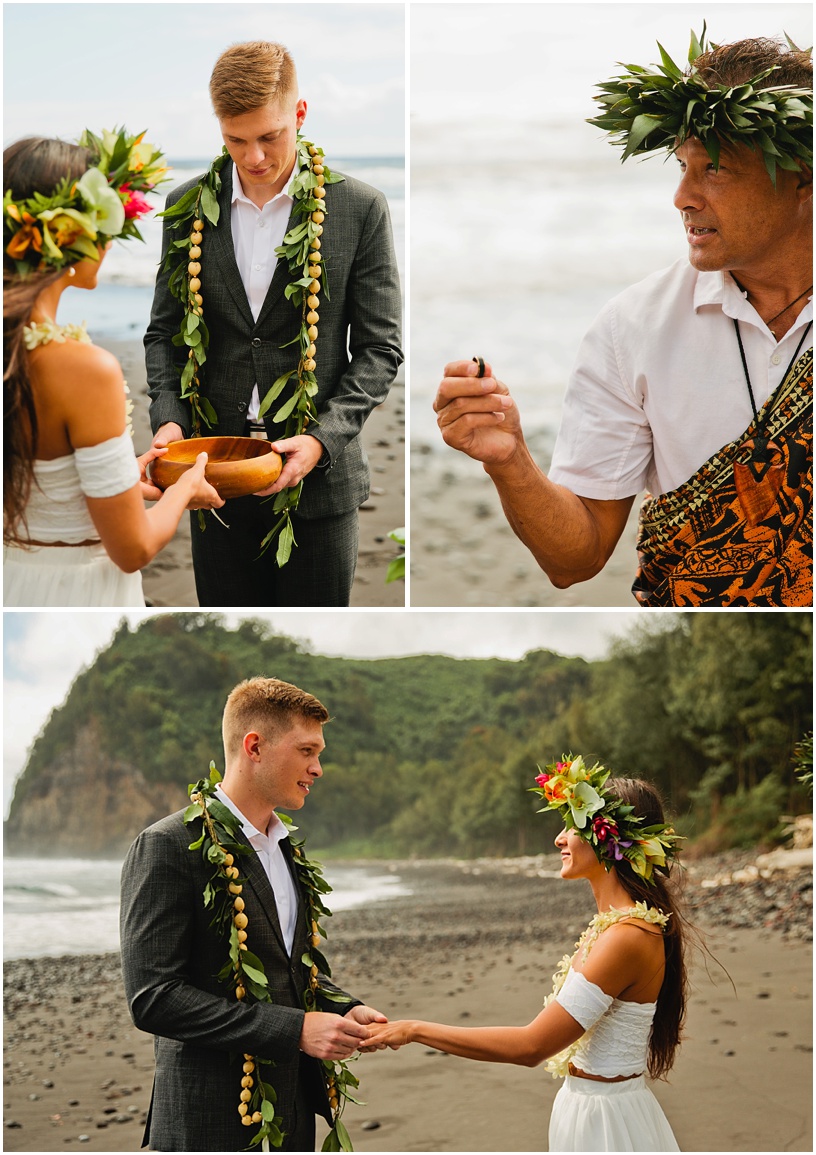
x=54, y=907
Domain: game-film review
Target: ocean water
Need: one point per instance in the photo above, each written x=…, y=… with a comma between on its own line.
x=54, y=907
x=119, y=307
x=514, y=268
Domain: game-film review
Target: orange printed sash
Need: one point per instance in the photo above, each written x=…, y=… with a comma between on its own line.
x=739, y=534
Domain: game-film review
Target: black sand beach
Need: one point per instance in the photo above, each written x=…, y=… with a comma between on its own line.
x=474, y=944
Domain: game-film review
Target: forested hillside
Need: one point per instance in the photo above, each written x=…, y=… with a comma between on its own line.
x=433, y=755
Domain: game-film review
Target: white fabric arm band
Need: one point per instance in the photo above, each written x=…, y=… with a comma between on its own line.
x=109, y=468
x=582, y=999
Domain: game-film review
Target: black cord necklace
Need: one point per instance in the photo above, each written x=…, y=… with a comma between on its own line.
x=759, y=478
x=776, y=317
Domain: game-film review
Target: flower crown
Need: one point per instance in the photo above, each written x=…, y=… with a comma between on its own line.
x=615, y=833
x=70, y=223
x=645, y=110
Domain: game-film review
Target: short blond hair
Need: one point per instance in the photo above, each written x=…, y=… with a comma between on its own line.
x=269, y=707
x=251, y=76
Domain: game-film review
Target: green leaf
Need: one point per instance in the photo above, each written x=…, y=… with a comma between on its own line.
x=286, y=408
x=198, y=843
x=207, y=412
x=256, y=975
x=268, y=1111
x=192, y=812
x=182, y=206
x=331, y=1142
x=641, y=127
x=343, y=1136
x=222, y=814
x=285, y=543
x=396, y=570
x=209, y=205
x=275, y=392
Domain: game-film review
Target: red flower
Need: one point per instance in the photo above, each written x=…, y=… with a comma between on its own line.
x=604, y=828
x=543, y=779
x=135, y=204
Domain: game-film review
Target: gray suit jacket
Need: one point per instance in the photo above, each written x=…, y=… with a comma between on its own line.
x=170, y=958
x=358, y=347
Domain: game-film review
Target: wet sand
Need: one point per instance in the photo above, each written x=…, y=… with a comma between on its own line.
x=168, y=580
x=464, y=553
x=473, y=944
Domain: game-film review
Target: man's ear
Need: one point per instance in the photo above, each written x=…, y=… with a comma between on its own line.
x=252, y=745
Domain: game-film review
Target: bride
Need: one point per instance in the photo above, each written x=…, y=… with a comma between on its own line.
x=75, y=528
x=618, y=1005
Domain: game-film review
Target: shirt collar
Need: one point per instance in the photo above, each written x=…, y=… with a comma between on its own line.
x=720, y=288
x=238, y=193
x=276, y=831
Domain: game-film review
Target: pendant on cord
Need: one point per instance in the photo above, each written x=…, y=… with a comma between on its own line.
x=759, y=479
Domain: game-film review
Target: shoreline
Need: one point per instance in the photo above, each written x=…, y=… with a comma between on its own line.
x=168, y=579
x=473, y=944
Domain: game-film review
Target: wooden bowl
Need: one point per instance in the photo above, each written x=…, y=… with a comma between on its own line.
x=236, y=466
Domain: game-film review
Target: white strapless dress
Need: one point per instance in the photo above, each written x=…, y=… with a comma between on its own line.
x=66, y=574
x=589, y=1115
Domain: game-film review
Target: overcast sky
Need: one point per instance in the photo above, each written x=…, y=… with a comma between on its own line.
x=486, y=62
x=147, y=66
x=44, y=651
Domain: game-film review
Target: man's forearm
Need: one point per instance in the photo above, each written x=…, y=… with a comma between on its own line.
x=563, y=532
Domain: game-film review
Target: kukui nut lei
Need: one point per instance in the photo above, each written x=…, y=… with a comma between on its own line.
x=301, y=250
x=220, y=846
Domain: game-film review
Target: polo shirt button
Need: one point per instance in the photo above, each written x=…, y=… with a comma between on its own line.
x=775, y=359
x=256, y=341
x=242, y=406
x=258, y=268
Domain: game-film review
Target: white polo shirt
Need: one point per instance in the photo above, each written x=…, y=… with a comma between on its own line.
x=269, y=851
x=256, y=233
x=659, y=386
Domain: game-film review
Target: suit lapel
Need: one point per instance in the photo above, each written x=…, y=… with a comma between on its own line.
x=220, y=241
x=280, y=279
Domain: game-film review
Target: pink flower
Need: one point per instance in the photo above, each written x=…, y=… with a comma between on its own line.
x=543, y=779
x=135, y=204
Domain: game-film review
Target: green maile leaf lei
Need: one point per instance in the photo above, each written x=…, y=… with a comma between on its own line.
x=220, y=845
x=301, y=251
x=649, y=109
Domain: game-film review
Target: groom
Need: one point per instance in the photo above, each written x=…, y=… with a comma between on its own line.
x=273, y=738
x=251, y=323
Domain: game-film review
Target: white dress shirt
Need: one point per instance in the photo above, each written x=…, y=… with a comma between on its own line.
x=659, y=386
x=256, y=233
x=276, y=868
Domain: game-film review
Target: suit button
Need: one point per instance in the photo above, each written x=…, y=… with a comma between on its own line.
x=242, y=406
x=256, y=341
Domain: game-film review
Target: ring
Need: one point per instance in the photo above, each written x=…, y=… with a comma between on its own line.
x=481, y=364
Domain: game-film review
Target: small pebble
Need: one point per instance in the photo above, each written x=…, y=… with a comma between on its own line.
x=370, y=1125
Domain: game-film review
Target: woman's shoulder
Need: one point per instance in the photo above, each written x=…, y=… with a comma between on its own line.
x=60, y=362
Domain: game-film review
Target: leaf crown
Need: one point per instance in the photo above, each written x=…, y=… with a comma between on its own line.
x=645, y=110
x=608, y=824
x=72, y=222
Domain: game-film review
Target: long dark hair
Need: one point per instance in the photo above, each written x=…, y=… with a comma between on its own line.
x=662, y=891
x=29, y=166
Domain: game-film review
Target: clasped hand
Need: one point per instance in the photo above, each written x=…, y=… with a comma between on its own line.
x=328, y=1036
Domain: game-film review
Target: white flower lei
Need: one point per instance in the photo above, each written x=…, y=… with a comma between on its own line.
x=43, y=332
x=558, y=1065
